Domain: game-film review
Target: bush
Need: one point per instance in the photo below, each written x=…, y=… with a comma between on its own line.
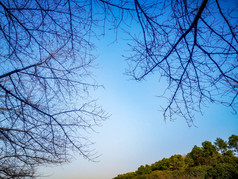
x=198, y=171
x=129, y=175
x=223, y=171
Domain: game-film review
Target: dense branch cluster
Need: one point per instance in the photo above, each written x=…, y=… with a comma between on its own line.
x=195, y=49
x=191, y=44
x=45, y=107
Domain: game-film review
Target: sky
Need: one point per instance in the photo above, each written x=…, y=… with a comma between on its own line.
x=136, y=133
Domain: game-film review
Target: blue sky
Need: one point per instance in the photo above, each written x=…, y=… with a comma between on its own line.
x=136, y=133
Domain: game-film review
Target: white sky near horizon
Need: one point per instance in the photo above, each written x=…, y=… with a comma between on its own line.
x=136, y=133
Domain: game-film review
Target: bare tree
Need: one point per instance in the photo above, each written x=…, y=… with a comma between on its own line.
x=191, y=44
x=45, y=63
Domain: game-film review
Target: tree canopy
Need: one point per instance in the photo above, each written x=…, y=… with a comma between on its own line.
x=205, y=161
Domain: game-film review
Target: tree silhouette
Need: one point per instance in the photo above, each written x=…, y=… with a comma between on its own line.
x=45, y=62
x=45, y=106
x=191, y=44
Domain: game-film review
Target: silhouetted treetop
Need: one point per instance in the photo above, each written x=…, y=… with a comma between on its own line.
x=191, y=44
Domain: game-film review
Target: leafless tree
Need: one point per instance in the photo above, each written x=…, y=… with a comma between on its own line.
x=45, y=64
x=191, y=44
x=45, y=79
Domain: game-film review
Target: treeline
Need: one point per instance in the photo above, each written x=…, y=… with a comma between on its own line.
x=218, y=160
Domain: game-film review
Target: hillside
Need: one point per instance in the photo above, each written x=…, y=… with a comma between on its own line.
x=218, y=160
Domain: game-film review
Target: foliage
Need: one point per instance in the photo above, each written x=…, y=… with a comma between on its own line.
x=143, y=170
x=161, y=165
x=233, y=143
x=221, y=145
x=176, y=162
x=198, y=171
x=127, y=175
x=223, y=170
x=209, y=153
x=201, y=162
x=196, y=155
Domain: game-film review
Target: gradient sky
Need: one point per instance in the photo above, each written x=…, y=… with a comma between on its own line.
x=136, y=133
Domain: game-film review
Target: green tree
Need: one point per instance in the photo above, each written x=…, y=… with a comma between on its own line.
x=197, y=155
x=209, y=153
x=143, y=170
x=140, y=170
x=201, y=162
x=229, y=153
x=176, y=162
x=223, y=171
x=229, y=158
x=129, y=175
x=163, y=164
x=189, y=161
x=233, y=143
x=221, y=145
x=208, y=149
